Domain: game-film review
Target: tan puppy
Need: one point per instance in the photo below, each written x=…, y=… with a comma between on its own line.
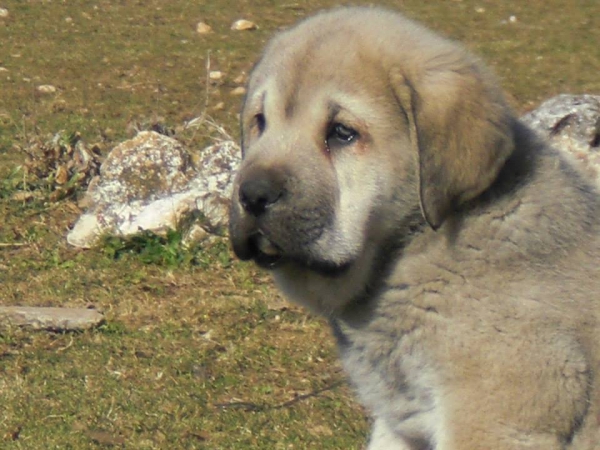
x=388, y=187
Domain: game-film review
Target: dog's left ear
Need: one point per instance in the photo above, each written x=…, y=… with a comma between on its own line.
x=461, y=130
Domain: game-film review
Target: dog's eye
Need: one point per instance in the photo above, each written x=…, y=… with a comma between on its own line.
x=260, y=122
x=340, y=135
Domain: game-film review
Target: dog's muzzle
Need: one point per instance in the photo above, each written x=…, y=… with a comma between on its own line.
x=258, y=193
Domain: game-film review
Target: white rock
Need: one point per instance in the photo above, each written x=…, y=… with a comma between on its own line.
x=243, y=25
x=215, y=75
x=571, y=123
x=151, y=183
x=46, y=89
x=203, y=28
x=241, y=78
x=86, y=231
x=240, y=90
x=3, y=13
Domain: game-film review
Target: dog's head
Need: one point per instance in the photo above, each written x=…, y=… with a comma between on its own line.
x=356, y=121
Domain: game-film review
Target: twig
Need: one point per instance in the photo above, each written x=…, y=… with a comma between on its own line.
x=13, y=244
x=249, y=406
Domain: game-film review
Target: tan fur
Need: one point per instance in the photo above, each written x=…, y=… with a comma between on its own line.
x=455, y=254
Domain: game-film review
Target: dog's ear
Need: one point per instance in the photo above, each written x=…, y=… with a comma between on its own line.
x=460, y=128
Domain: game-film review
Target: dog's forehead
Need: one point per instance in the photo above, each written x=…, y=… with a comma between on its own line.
x=347, y=47
x=307, y=60
x=329, y=71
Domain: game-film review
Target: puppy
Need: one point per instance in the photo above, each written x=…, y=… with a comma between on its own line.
x=388, y=187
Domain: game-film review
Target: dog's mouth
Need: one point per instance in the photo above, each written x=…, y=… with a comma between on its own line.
x=263, y=251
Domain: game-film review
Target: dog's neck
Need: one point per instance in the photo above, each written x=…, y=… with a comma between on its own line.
x=521, y=181
x=519, y=169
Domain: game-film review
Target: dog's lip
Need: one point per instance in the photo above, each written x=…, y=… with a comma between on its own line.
x=264, y=252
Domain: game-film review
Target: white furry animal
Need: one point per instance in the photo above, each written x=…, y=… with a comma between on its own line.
x=387, y=186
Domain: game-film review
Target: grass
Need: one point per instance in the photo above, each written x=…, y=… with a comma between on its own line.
x=198, y=351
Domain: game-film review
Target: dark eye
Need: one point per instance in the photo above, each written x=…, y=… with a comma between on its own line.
x=340, y=135
x=260, y=122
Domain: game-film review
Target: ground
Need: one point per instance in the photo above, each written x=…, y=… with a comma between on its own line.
x=199, y=351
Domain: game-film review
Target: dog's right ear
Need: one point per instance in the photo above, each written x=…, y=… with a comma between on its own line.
x=461, y=130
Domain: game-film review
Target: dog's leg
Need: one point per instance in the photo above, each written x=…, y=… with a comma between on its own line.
x=384, y=439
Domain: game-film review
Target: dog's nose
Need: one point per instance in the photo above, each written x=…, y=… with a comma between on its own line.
x=257, y=194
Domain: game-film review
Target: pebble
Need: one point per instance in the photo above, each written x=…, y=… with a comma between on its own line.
x=243, y=25
x=3, y=13
x=203, y=28
x=215, y=75
x=240, y=79
x=46, y=89
x=240, y=90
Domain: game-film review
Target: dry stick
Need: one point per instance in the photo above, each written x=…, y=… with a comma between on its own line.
x=248, y=406
x=13, y=244
x=200, y=119
x=207, y=81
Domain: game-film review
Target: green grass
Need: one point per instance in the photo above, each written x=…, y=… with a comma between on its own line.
x=198, y=350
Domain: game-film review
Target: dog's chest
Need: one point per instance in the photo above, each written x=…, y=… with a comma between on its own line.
x=394, y=381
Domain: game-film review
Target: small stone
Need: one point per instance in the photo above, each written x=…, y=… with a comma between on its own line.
x=215, y=75
x=3, y=69
x=195, y=235
x=243, y=25
x=240, y=79
x=219, y=106
x=512, y=19
x=240, y=90
x=203, y=28
x=68, y=19
x=3, y=13
x=22, y=196
x=62, y=175
x=46, y=89
x=480, y=10
x=54, y=319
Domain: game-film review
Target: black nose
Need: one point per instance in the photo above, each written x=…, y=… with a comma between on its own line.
x=260, y=192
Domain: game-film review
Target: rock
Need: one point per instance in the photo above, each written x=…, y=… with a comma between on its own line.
x=46, y=89
x=215, y=75
x=571, y=123
x=241, y=78
x=54, y=319
x=3, y=13
x=203, y=28
x=243, y=25
x=151, y=183
x=240, y=90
